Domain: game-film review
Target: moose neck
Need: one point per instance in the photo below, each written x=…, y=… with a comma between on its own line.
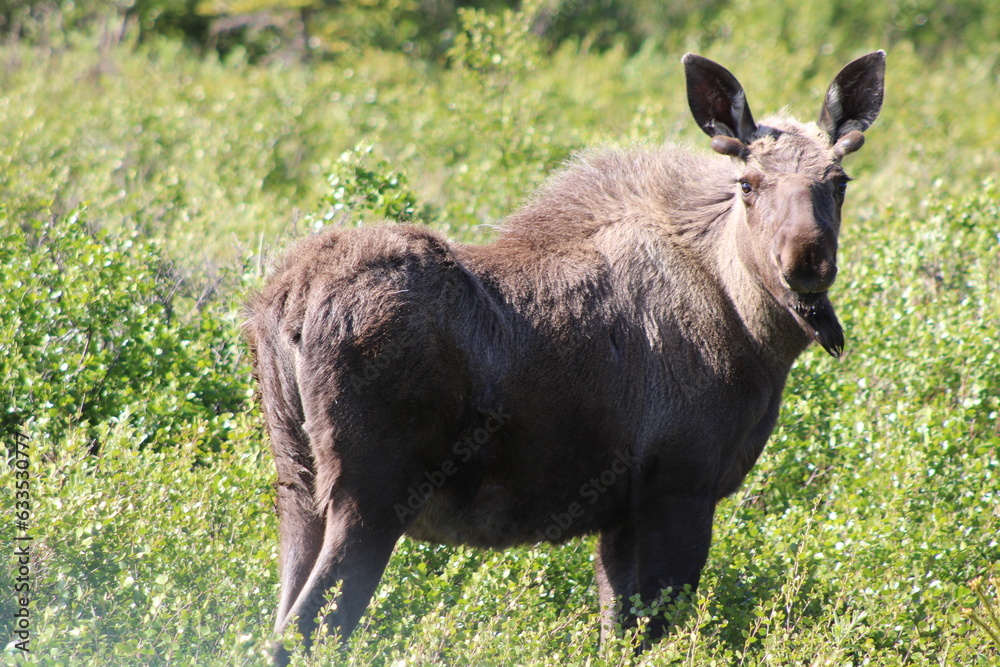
x=671, y=210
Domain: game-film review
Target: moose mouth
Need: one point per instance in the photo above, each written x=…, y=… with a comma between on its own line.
x=815, y=314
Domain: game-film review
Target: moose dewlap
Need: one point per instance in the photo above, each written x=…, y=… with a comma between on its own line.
x=613, y=362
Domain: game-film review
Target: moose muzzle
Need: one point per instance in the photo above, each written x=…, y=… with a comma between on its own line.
x=807, y=243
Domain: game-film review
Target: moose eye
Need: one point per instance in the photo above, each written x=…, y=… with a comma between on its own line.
x=746, y=187
x=840, y=185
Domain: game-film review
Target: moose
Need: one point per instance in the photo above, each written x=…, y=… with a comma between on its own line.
x=612, y=363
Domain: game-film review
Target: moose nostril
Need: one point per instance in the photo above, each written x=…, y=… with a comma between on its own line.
x=806, y=279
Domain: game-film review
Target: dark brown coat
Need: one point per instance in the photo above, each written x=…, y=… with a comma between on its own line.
x=612, y=363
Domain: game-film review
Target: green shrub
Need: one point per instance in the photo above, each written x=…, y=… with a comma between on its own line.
x=145, y=557
x=96, y=326
x=363, y=188
x=427, y=28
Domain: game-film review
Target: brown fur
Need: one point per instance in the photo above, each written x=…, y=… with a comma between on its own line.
x=612, y=363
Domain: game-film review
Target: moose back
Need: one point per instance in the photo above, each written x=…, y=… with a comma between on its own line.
x=613, y=362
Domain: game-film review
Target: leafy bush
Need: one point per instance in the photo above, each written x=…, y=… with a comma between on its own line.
x=361, y=190
x=145, y=557
x=96, y=326
x=264, y=28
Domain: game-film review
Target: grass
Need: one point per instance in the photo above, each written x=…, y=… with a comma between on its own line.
x=866, y=535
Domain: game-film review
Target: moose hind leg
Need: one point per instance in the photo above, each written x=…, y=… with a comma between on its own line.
x=301, y=529
x=357, y=493
x=354, y=555
x=300, y=525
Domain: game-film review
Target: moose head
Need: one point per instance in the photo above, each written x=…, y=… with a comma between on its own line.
x=791, y=184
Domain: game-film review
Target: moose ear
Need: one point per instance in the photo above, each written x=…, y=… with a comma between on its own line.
x=717, y=100
x=855, y=97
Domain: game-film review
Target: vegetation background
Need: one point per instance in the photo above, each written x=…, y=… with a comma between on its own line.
x=154, y=153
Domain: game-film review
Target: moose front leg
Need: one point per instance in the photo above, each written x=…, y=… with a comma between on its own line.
x=664, y=546
x=673, y=537
x=615, y=565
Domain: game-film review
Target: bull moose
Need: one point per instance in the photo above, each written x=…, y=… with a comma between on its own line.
x=612, y=362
